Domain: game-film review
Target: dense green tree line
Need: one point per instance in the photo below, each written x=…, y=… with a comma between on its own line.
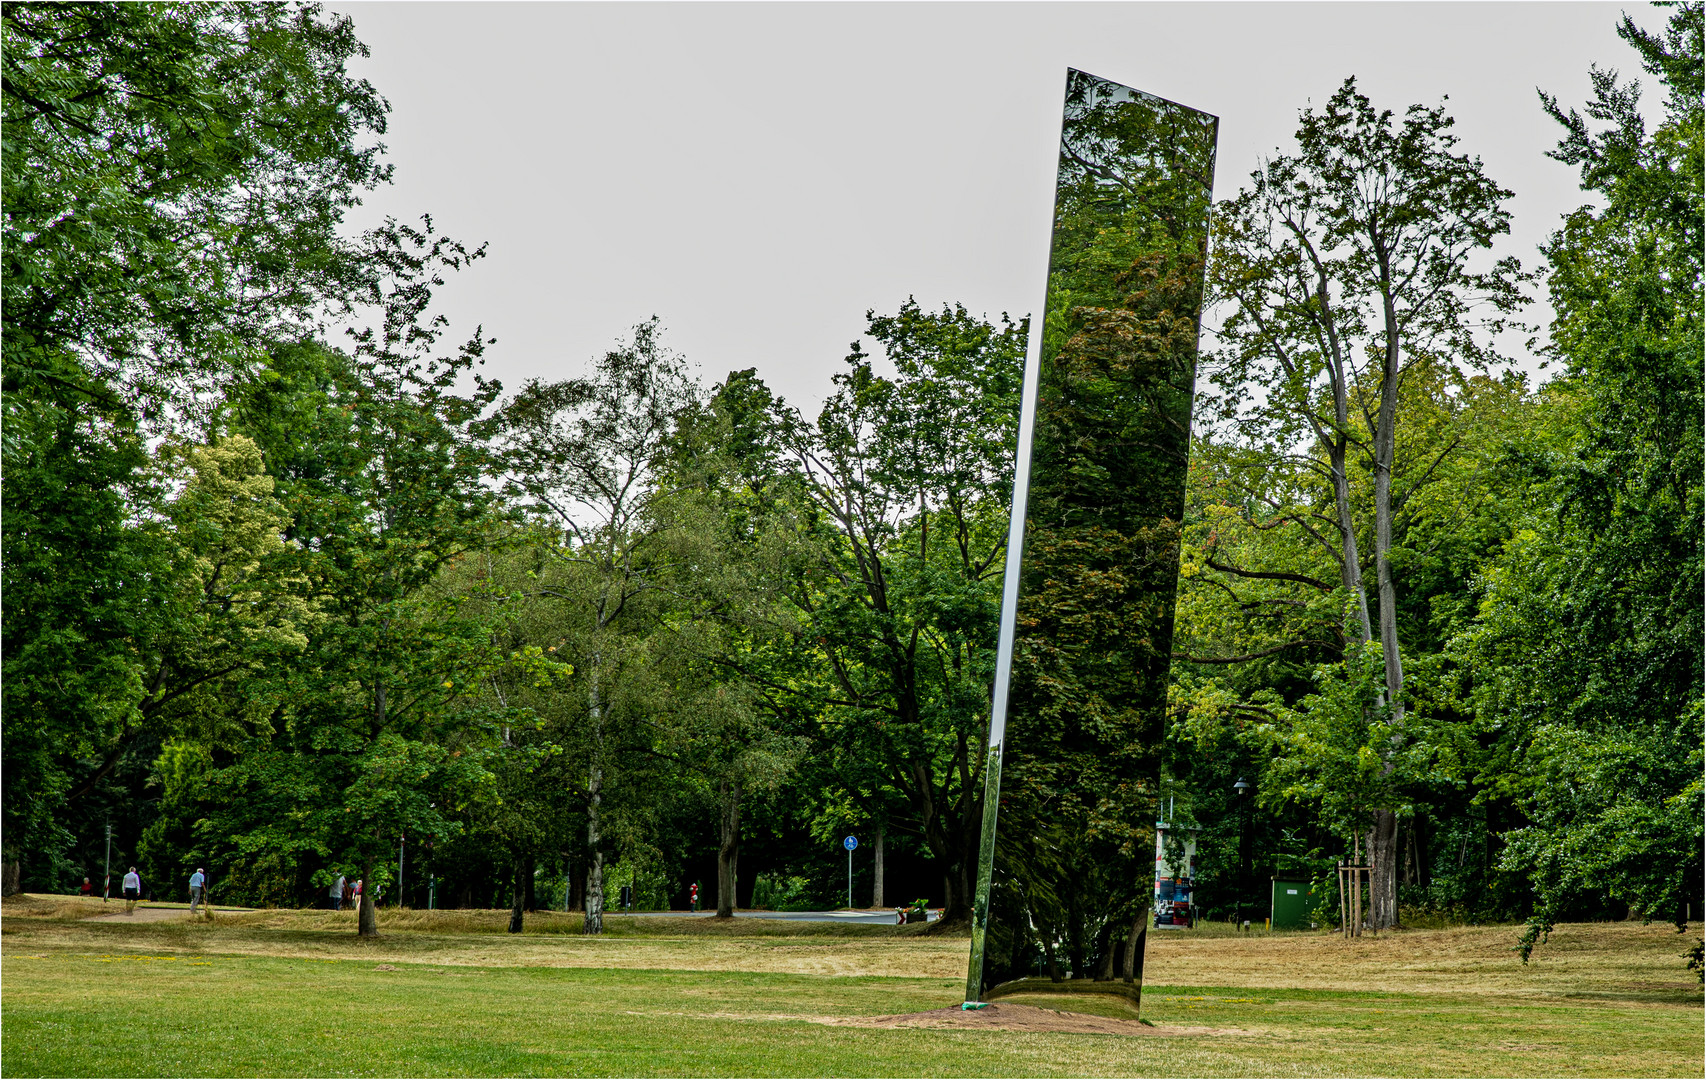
x=292, y=607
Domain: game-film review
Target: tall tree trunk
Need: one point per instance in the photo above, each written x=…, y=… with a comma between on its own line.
x=1106, y=950
x=1131, y=964
x=595, y=796
x=1383, y=870
x=1334, y=442
x=366, y=924
x=877, y=864
x=952, y=853
x=964, y=856
x=1419, y=845
x=1383, y=825
x=728, y=850
x=1384, y=441
x=1350, y=568
x=1050, y=957
x=1075, y=934
x=956, y=854
x=1383, y=846
x=518, y=893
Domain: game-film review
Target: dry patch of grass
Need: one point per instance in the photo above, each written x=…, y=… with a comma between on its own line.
x=56, y=908
x=1624, y=960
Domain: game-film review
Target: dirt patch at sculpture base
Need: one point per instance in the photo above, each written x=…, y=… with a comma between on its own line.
x=1007, y=1017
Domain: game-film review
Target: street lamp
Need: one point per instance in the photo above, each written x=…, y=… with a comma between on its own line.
x=1241, y=788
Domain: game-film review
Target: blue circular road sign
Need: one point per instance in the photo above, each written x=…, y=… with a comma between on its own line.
x=850, y=843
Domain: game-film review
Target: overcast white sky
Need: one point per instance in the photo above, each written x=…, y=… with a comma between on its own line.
x=759, y=175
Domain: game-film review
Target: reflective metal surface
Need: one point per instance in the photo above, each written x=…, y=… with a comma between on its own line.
x=1064, y=886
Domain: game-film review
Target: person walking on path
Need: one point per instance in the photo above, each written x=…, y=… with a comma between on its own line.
x=336, y=893
x=132, y=890
x=198, y=887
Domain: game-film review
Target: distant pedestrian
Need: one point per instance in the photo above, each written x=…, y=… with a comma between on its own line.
x=355, y=895
x=198, y=886
x=693, y=898
x=132, y=890
x=336, y=893
x=88, y=888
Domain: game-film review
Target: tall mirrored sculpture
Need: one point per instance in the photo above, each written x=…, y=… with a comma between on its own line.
x=1066, y=870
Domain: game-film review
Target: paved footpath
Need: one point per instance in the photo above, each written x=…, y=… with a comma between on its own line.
x=149, y=913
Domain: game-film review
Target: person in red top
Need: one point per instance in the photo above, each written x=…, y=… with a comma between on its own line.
x=88, y=889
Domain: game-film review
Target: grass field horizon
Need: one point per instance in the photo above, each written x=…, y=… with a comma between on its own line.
x=281, y=992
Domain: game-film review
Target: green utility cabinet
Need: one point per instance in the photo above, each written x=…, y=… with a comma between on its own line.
x=1292, y=902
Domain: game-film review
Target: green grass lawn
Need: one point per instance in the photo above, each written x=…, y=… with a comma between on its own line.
x=83, y=999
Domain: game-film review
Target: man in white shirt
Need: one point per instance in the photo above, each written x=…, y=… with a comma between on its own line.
x=336, y=893
x=198, y=883
x=132, y=890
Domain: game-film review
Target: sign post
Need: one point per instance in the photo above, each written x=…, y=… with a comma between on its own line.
x=850, y=843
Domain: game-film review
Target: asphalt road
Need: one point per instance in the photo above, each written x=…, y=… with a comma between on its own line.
x=877, y=918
